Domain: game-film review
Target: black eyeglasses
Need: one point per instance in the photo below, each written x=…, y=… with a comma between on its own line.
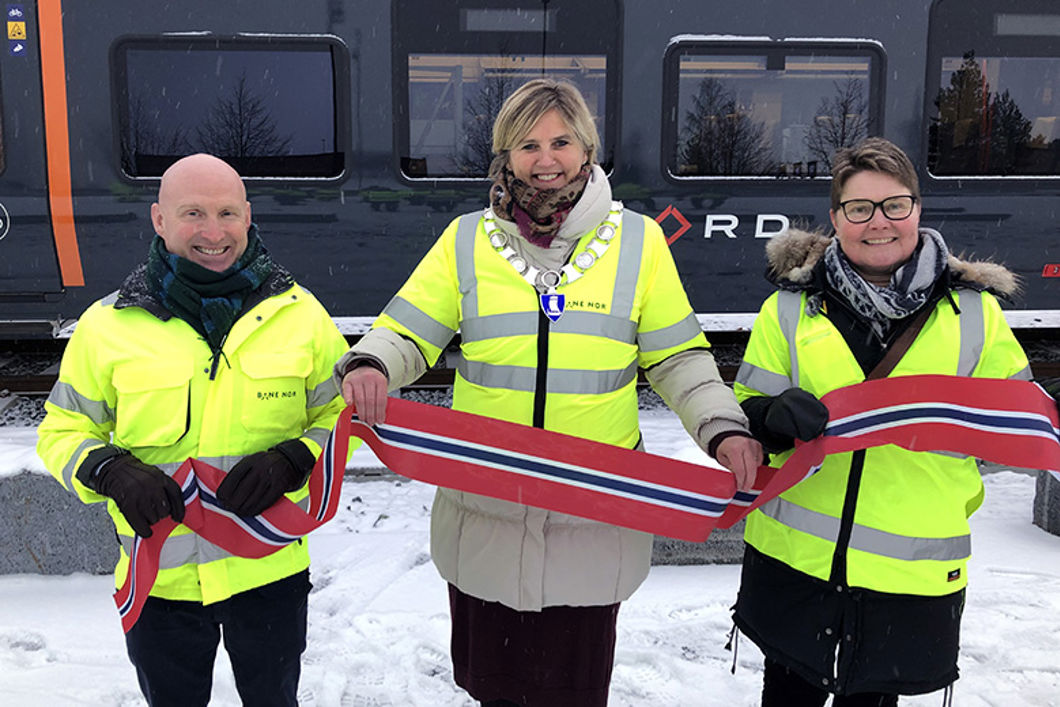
x=895, y=208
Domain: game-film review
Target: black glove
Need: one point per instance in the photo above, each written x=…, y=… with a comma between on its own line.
x=1052, y=387
x=261, y=479
x=144, y=493
x=777, y=422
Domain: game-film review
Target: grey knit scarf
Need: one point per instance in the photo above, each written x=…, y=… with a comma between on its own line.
x=910, y=285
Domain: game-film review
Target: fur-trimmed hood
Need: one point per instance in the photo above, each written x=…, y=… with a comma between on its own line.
x=793, y=255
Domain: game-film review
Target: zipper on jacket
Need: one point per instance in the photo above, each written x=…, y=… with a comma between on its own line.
x=541, y=383
x=846, y=520
x=217, y=357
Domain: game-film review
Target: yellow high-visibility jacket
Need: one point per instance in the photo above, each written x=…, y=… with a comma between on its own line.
x=910, y=531
x=576, y=375
x=629, y=310
x=136, y=377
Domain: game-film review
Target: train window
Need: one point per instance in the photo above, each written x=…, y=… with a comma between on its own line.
x=766, y=108
x=455, y=64
x=274, y=107
x=993, y=89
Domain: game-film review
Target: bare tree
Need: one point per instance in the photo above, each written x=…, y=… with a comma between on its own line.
x=241, y=126
x=141, y=135
x=840, y=121
x=720, y=137
x=479, y=113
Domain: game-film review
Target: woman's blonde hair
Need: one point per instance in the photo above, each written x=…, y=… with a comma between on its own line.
x=524, y=108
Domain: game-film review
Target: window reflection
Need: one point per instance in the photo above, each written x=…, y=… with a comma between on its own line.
x=768, y=115
x=454, y=99
x=270, y=110
x=996, y=116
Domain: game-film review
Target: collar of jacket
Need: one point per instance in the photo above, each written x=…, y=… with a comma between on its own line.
x=134, y=291
x=796, y=263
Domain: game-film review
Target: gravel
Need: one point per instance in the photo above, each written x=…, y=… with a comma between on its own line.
x=28, y=363
x=19, y=411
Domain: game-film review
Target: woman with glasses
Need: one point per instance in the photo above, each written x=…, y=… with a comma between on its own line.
x=853, y=580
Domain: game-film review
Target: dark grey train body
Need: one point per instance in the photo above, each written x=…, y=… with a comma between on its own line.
x=363, y=128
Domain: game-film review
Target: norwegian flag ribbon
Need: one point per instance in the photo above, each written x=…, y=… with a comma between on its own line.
x=1004, y=421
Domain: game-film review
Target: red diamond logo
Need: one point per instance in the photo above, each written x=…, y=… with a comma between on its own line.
x=683, y=223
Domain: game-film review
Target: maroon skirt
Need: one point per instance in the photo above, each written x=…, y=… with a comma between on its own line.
x=561, y=656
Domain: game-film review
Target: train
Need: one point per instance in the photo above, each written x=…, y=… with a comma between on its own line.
x=362, y=128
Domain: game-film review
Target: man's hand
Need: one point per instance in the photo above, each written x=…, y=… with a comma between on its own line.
x=365, y=387
x=144, y=493
x=259, y=480
x=742, y=456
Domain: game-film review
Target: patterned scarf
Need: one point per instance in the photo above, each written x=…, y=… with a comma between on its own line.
x=209, y=301
x=910, y=285
x=537, y=212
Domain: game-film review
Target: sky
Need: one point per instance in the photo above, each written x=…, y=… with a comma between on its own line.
x=379, y=623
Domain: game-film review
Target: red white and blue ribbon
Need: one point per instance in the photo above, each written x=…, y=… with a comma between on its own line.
x=1009, y=422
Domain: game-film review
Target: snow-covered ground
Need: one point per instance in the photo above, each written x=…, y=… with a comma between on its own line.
x=379, y=627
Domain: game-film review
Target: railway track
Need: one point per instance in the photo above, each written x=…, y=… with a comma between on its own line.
x=27, y=384
x=29, y=369
x=439, y=378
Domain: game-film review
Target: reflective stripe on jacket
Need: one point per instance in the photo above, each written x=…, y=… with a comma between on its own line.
x=143, y=384
x=910, y=531
x=576, y=376
x=609, y=328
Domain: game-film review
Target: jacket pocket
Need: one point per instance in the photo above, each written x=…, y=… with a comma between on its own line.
x=152, y=403
x=274, y=399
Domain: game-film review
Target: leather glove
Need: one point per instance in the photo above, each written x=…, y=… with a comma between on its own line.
x=797, y=414
x=144, y=493
x=778, y=421
x=259, y=480
x=1051, y=386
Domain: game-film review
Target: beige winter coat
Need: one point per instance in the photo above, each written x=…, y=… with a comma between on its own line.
x=526, y=557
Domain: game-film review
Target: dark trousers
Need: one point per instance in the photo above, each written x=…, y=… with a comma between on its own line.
x=174, y=643
x=785, y=688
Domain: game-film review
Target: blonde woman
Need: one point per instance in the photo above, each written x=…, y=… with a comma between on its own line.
x=560, y=295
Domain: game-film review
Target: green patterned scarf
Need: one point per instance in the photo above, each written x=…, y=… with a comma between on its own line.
x=207, y=300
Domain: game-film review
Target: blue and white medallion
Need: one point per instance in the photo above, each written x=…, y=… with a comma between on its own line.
x=553, y=304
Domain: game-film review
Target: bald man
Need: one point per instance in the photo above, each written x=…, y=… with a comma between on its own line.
x=208, y=350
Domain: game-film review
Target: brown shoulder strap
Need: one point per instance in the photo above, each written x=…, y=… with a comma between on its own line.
x=900, y=346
